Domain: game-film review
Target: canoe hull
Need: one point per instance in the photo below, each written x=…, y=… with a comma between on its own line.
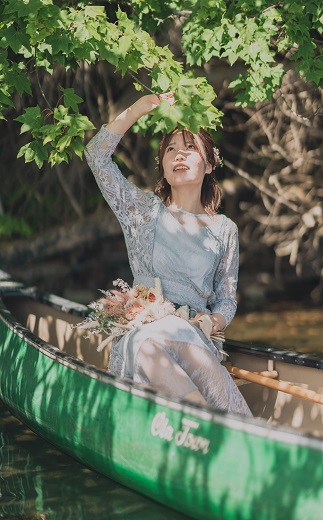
x=201, y=463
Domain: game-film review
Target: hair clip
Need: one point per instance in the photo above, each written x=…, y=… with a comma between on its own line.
x=217, y=158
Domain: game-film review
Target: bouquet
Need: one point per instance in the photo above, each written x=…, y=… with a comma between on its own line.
x=125, y=308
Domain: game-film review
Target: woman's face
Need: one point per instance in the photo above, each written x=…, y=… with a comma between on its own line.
x=183, y=163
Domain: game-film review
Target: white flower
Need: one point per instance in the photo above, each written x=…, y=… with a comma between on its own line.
x=205, y=324
x=183, y=312
x=89, y=324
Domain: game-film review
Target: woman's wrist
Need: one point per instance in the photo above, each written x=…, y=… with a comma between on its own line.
x=218, y=321
x=145, y=105
x=130, y=116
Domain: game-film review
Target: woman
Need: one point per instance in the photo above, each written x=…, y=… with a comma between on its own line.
x=178, y=237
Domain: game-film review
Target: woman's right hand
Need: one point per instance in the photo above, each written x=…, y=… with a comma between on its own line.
x=141, y=107
x=148, y=103
x=151, y=101
x=128, y=117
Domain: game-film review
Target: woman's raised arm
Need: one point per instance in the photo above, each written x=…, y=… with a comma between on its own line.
x=128, y=117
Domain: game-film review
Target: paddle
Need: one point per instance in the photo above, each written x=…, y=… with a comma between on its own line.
x=281, y=386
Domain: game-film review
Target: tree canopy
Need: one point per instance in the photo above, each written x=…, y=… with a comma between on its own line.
x=37, y=36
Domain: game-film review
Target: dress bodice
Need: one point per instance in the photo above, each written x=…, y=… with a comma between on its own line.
x=185, y=258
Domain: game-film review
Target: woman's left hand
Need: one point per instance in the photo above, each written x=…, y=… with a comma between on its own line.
x=218, y=321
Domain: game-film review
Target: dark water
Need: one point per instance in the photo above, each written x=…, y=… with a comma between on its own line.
x=37, y=482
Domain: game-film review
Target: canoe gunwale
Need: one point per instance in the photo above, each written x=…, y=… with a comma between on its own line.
x=67, y=306
x=255, y=426
x=283, y=355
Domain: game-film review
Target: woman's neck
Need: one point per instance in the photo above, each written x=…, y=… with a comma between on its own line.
x=187, y=202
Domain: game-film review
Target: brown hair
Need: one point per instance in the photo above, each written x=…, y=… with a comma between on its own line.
x=210, y=192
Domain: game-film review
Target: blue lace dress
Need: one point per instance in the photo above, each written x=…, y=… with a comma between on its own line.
x=196, y=259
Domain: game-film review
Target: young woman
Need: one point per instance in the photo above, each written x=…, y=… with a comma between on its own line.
x=175, y=235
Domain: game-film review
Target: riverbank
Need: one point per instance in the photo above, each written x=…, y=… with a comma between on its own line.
x=283, y=325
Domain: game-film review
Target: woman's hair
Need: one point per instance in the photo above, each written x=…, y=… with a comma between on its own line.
x=210, y=192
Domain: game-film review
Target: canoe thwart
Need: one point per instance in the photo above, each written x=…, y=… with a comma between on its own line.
x=278, y=385
x=239, y=381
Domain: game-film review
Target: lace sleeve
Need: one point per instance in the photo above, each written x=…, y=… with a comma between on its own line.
x=226, y=277
x=123, y=197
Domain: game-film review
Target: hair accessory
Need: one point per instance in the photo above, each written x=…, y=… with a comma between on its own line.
x=217, y=158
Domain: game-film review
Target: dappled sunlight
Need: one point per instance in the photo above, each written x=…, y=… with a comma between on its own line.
x=298, y=417
x=178, y=221
x=57, y=328
x=298, y=413
x=185, y=272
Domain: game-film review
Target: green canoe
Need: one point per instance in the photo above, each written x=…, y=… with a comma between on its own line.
x=200, y=462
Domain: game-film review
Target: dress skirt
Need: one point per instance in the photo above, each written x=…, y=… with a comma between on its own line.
x=173, y=356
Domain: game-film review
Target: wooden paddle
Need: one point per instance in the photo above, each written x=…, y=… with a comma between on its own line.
x=281, y=386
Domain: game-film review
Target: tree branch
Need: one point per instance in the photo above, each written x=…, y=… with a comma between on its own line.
x=261, y=187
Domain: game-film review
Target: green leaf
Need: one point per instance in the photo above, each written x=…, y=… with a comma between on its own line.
x=5, y=99
x=57, y=157
x=92, y=11
x=61, y=43
x=34, y=151
x=44, y=62
x=106, y=52
x=124, y=45
x=79, y=124
x=49, y=133
x=18, y=79
x=24, y=8
x=163, y=82
x=167, y=114
x=71, y=99
x=32, y=120
x=63, y=143
x=78, y=147
x=3, y=59
x=15, y=39
x=62, y=116
x=81, y=34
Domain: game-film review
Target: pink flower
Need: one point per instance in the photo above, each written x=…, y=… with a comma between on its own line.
x=133, y=310
x=151, y=297
x=113, y=305
x=122, y=297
